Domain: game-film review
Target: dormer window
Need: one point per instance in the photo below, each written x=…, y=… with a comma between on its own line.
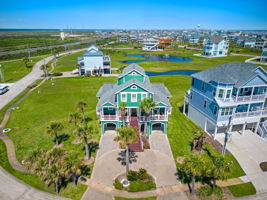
x=228, y=94
x=221, y=92
x=134, y=87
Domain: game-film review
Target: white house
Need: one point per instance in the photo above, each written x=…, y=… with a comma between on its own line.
x=150, y=44
x=215, y=47
x=94, y=61
x=124, y=39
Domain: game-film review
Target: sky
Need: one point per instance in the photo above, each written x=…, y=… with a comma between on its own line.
x=129, y=14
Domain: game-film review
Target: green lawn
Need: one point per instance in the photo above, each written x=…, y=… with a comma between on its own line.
x=35, y=181
x=68, y=63
x=15, y=70
x=244, y=189
x=148, y=198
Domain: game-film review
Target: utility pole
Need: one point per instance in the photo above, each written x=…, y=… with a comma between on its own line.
x=228, y=135
x=2, y=74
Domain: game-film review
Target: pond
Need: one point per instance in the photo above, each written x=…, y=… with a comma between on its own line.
x=175, y=72
x=151, y=57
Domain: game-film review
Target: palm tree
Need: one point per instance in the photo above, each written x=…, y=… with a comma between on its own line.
x=81, y=107
x=147, y=105
x=127, y=135
x=74, y=167
x=26, y=60
x=74, y=118
x=123, y=111
x=194, y=166
x=44, y=68
x=53, y=129
x=199, y=140
x=84, y=133
x=220, y=168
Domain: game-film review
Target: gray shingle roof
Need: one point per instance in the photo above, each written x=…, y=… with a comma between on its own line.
x=216, y=39
x=131, y=68
x=229, y=73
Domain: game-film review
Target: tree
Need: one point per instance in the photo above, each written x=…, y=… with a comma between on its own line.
x=26, y=60
x=84, y=133
x=219, y=168
x=147, y=105
x=81, y=107
x=44, y=68
x=123, y=111
x=199, y=140
x=53, y=130
x=127, y=135
x=74, y=167
x=194, y=166
x=74, y=118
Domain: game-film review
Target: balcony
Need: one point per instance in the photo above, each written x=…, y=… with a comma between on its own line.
x=249, y=98
x=154, y=118
x=251, y=113
x=109, y=117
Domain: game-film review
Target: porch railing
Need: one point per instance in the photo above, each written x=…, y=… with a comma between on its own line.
x=155, y=117
x=251, y=113
x=249, y=98
x=109, y=117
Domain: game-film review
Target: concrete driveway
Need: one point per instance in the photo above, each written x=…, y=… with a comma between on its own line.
x=11, y=188
x=250, y=150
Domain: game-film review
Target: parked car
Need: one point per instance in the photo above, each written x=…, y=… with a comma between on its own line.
x=3, y=89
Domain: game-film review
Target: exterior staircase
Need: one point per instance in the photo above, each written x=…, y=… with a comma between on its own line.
x=137, y=146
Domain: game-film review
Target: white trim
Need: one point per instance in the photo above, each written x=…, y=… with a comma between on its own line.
x=132, y=99
x=123, y=99
x=134, y=84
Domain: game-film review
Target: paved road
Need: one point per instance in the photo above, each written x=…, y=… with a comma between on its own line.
x=250, y=150
x=11, y=188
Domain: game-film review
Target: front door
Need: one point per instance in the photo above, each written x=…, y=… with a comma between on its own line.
x=133, y=112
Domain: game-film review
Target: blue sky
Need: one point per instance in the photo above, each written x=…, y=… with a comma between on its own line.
x=145, y=14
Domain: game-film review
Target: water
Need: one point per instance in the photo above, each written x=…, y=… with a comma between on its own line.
x=175, y=72
x=151, y=57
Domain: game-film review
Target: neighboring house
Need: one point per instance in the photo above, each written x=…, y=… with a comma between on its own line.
x=215, y=47
x=236, y=90
x=193, y=40
x=133, y=85
x=94, y=61
x=264, y=54
x=150, y=44
x=124, y=39
x=260, y=43
x=133, y=38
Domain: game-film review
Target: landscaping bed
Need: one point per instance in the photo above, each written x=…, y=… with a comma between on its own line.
x=263, y=166
x=242, y=189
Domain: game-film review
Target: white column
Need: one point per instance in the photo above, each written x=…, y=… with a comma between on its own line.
x=230, y=128
x=252, y=93
x=205, y=126
x=256, y=127
x=237, y=93
x=215, y=131
x=184, y=108
x=244, y=128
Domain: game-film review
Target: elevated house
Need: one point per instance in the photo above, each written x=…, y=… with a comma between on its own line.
x=236, y=90
x=132, y=86
x=123, y=39
x=150, y=44
x=264, y=54
x=93, y=62
x=215, y=46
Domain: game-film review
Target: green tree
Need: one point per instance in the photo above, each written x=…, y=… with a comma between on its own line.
x=123, y=111
x=194, y=166
x=127, y=135
x=74, y=167
x=81, y=107
x=86, y=132
x=147, y=105
x=26, y=61
x=53, y=130
x=74, y=118
x=199, y=140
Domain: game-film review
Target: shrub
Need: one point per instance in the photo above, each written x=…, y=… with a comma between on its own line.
x=57, y=74
x=118, y=185
x=32, y=86
x=136, y=186
x=132, y=175
x=207, y=190
x=142, y=174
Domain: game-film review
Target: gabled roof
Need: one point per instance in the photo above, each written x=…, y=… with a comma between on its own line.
x=231, y=73
x=93, y=51
x=145, y=85
x=130, y=68
x=216, y=39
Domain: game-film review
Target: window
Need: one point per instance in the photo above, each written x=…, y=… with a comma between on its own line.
x=123, y=97
x=143, y=95
x=191, y=95
x=110, y=108
x=134, y=87
x=205, y=104
x=134, y=97
x=203, y=86
x=227, y=111
x=193, y=81
x=214, y=92
x=221, y=91
x=228, y=93
x=134, y=73
x=215, y=110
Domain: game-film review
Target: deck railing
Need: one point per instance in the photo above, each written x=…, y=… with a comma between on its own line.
x=249, y=98
x=251, y=113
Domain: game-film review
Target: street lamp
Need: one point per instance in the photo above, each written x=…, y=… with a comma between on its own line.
x=228, y=135
x=2, y=74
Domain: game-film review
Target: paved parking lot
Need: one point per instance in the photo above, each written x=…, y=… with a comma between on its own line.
x=250, y=150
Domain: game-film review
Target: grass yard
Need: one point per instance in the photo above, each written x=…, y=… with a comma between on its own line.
x=68, y=63
x=148, y=198
x=15, y=70
x=244, y=189
x=69, y=191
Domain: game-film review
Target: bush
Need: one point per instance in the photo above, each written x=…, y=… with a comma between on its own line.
x=32, y=86
x=142, y=174
x=207, y=190
x=118, y=185
x=136, y=186
x=132, y=175
x=57, y=74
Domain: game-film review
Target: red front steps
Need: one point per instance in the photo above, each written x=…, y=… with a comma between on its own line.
x=137, y=146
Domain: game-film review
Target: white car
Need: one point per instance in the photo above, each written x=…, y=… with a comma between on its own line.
x=3, y=89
